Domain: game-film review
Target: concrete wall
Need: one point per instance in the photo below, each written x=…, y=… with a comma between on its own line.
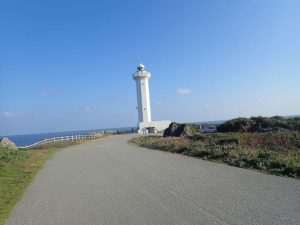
x=160, y=126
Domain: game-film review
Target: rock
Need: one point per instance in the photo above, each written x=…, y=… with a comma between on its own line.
x=181, y=130
x=6, y=143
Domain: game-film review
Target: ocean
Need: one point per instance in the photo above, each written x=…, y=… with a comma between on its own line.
x=27, y=139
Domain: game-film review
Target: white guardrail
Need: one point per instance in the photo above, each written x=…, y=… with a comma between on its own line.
x=65, y=138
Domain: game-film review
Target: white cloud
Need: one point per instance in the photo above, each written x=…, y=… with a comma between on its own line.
x=7, y=114
x=87, y=109
x=183, y=91
x=206, y=106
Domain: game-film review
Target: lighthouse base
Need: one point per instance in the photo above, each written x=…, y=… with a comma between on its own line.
x=153, y=126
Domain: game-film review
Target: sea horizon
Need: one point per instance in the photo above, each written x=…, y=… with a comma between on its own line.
x=27, y=139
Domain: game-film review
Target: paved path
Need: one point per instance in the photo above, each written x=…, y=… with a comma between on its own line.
x=110, y=182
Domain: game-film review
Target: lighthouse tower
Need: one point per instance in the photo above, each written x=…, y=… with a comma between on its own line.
x=145, y=124
x=141, y=77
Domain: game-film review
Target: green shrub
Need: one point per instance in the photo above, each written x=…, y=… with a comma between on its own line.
x=294, y=123
x=228, y=141
x=222, y=139
x=198, y=153
x=260, y=124
x=269, y=123
x=198, y=137
x=217, y=152
x=7, y=155
x=236, y=125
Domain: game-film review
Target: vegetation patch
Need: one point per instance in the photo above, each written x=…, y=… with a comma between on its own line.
x=273, y=152
x=260, y=124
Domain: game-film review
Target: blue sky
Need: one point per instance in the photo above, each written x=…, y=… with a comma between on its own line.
x=67, y=65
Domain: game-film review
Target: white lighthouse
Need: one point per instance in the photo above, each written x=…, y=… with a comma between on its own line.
x=141, y=77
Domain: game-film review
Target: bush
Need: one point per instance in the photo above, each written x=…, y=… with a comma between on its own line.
x=228, y=141
x=198, y=137
x=223, y=139
x=236, y=125
x=269, y=123
x=294, y=123
x=260, y=124
x=7, y=155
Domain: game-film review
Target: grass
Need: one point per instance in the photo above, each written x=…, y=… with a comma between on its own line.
x=17, y=170
x=275, y=153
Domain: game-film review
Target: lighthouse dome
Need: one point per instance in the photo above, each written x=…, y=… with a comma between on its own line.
x=140, y=67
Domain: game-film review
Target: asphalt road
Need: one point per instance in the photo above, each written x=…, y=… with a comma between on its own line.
x=111, y=182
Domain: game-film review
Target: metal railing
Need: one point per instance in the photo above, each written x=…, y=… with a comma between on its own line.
x=64, y=138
